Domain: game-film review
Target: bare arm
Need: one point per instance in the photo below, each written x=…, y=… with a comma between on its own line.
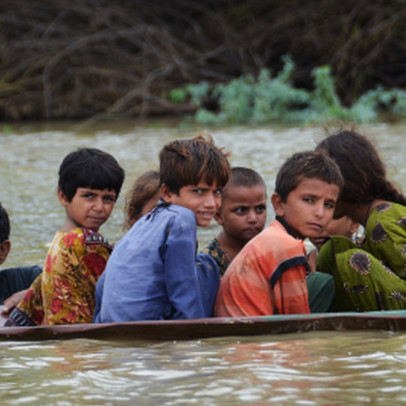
x=11, y=302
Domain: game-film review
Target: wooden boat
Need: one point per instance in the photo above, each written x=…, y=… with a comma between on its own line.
x=213, y=327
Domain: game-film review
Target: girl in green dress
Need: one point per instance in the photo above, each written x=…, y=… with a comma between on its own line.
x=371, y=276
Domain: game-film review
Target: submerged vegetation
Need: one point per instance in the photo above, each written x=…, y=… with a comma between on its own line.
x=256, y=101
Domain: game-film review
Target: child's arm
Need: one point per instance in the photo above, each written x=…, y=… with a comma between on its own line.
x=69, y=280
x=290, y=294
x=181, y=273
x=312, y=260
x=11, y=302
x=263, y=282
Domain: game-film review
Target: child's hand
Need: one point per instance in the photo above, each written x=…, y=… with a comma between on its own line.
x=311, y=260
x=11, y=302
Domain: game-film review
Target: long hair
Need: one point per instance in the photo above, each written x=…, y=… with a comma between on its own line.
x=145, y=187
x=363, y=170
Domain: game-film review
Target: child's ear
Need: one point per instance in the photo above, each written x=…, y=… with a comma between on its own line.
x=166, y=194
x=5, y=247
x=62, y=198
x=354, y=226
x=219, y=218
x=278, y=205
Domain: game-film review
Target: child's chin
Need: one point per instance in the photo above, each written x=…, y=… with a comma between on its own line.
x=204, y=223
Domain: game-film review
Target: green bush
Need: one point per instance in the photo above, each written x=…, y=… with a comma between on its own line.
x=247, y=100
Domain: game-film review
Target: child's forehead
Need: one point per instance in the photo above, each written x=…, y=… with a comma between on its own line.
x=248, y=190
x=93, y=189
x=202, y=183
x=307, y=184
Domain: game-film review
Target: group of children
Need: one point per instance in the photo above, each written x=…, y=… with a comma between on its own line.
x=156, y=271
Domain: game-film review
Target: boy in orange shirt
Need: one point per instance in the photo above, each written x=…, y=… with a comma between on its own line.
x=268, y=276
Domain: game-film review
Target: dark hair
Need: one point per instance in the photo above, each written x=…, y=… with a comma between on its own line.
x=144, y=188
x=187, y=162
x=241, y=176
x=4, y=224
x=363, y=171
x=306, y=164
x=92, y=168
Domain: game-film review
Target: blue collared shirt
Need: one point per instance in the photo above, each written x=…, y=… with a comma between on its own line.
x=154, y=272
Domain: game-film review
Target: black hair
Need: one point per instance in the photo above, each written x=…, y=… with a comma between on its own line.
x=92, y=168
x=4, y=224
x=306, y=164
x=241, y=176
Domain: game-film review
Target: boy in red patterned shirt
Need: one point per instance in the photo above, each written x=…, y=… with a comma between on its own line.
x=89, y=183
x=268, y=276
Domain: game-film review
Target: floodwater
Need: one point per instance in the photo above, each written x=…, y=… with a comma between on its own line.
x=321, y=368
x=317, y=368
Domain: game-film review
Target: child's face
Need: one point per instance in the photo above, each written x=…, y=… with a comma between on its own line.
x=344, y=226
x=243, y=211
x=308, y=208
x=202, y=199
x=89, y=208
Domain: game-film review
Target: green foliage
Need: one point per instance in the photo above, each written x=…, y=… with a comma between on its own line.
x=178, y=96
x=198, y=93
x=248, y=100
x=380, y=100
x=273, y=97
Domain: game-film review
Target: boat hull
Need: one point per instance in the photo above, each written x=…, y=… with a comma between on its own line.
x=212, y=327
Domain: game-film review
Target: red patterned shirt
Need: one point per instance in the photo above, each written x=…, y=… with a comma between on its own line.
x=65, y=291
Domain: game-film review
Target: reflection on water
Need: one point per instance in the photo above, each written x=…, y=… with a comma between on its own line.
x=323, y=368
x=312, y=368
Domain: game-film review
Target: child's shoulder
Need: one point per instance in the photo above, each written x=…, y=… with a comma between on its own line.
x=173, y=211
x=94, y=238
x=211, y=245
x=274, y=237
x=81, y=236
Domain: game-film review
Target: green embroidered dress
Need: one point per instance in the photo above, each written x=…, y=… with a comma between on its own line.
x=372, y=276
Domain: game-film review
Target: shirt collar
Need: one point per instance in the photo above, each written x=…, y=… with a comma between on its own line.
x=285, y=225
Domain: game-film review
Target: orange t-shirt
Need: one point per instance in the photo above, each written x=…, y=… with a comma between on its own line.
x=268, y=276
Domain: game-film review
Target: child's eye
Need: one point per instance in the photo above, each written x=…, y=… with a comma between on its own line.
x=241, y=210
x=218, y=192
x=260, y=209
x=198, y=191
x=88, y=195
x=109, y=198
x=308, y=199
x=330, y=205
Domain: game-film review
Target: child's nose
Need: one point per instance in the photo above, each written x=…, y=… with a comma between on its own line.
x=211, y=200
x=252, y=216
x=319, y=210
x=98, y=204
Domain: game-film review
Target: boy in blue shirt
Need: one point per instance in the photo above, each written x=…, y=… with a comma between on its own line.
x=154, y=272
